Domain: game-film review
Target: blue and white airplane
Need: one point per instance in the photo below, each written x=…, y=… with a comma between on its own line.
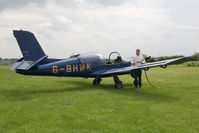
x=91, y=65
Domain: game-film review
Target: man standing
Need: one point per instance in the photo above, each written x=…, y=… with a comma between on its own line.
x=137, y=73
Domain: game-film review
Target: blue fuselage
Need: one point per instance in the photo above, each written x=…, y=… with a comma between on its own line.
x=71, y=67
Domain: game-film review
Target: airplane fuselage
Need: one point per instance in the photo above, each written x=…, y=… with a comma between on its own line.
x=70, y=67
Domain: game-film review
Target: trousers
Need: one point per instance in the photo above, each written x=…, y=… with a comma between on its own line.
x=137, y=75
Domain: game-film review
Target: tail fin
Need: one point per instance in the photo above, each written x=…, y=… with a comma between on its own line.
x=31, y=50
x=29, y=45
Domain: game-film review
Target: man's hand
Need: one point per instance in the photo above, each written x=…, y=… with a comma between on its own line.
x=142, y=62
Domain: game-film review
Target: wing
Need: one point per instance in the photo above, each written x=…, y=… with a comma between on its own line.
x=129, y=68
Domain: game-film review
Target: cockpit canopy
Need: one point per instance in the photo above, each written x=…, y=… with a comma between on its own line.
x=96, y=59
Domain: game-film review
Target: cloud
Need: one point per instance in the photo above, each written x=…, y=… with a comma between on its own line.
x=108, y=2
x=64, y=27
x=10, y=4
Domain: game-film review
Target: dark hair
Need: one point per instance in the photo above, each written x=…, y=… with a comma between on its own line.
x=138, y=49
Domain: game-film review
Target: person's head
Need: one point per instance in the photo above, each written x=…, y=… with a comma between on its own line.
x=137, y=51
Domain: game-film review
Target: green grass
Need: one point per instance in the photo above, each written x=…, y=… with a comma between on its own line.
x=73, y=105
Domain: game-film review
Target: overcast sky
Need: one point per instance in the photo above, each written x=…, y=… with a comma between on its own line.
x=63, y=27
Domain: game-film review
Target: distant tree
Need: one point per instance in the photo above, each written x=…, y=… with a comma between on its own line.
x=144, y=55
x=152, y=59
x=194, y=57
x=12, y=60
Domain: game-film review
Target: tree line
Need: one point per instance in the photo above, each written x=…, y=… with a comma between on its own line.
x=194, y=57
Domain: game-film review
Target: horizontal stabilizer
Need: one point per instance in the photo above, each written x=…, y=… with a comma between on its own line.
x=21, y=65
x=25, y=65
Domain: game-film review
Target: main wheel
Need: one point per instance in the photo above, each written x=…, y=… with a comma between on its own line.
x=118, y=85
x=96, y=82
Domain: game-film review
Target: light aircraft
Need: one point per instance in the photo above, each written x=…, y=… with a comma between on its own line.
x=90, y=65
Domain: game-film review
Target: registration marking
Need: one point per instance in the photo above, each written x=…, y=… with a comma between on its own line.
x=72, y=68
x=62, y=69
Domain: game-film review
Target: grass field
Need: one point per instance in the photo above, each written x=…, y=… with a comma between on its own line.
x=73, y=105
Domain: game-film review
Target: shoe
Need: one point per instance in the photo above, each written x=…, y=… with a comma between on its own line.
x=140, y=86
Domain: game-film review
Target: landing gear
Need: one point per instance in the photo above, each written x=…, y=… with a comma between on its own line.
x=97, y=81
x=118, y=83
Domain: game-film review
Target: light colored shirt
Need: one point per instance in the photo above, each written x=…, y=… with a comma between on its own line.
x=138, y=59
